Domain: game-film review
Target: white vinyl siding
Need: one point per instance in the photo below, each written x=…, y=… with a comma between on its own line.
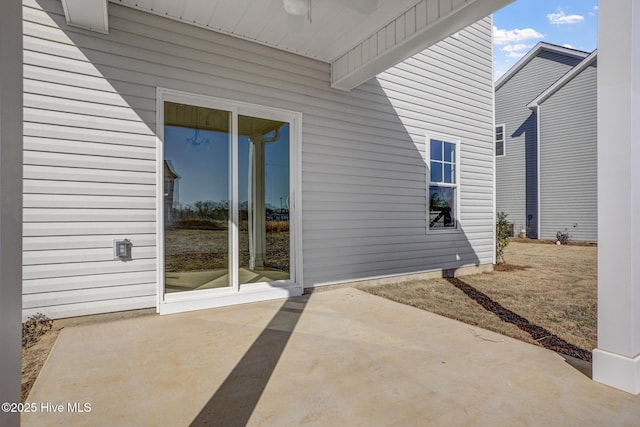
x=90, y=150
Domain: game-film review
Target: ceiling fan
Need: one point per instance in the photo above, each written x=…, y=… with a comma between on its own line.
x=300, y=10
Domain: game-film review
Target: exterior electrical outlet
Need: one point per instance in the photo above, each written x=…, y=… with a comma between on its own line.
x=122, y=249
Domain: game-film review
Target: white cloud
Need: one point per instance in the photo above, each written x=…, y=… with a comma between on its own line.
x=515, y=54
x=567, y=45
x=516, y=50
x=498, y=73
x=515, y=47
x=595, y=10
x=560, y=18
x=595, y=7
x=501, y=37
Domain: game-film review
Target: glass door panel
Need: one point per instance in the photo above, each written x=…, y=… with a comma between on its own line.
x=197, y=158
x=263, y=167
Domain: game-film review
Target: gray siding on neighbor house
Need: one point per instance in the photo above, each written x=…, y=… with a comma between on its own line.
x=516, y=172
x=568, y=159
x=90, y=152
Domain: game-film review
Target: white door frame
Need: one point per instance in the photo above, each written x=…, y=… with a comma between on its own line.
x=234, y=294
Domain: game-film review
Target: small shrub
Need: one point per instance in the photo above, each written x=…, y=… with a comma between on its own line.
x=35, y=326
x=502, y=236
x=563, y=237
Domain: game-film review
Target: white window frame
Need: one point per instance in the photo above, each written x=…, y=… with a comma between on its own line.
x=236, y=294
x=456, y=185
x=504, y=140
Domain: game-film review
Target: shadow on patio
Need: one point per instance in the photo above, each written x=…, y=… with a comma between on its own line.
x=341, y=357
x=246, y=383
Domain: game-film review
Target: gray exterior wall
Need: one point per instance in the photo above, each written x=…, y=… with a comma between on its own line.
x=568, y=159
x=90, y=152
x=516, y=172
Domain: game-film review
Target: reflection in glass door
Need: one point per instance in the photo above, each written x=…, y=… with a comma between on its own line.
x=263, y=160
x=197, y=148
x=226, y=199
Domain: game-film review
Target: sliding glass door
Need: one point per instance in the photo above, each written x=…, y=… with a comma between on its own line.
x=226, y=195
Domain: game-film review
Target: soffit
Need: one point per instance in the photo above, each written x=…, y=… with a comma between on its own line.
x=335, y=27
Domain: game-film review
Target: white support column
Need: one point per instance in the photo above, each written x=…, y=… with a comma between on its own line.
x=257, y=221
x=10, y=205
x=616, y=361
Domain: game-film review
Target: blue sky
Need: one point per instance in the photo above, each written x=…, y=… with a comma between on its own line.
x=203, y=165
x=522, y=24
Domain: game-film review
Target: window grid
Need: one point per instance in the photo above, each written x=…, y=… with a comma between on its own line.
x=443, y=192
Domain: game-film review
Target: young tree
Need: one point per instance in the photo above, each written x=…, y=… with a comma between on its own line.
x=502, y=236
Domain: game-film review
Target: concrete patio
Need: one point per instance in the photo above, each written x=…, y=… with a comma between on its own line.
x=339, y=357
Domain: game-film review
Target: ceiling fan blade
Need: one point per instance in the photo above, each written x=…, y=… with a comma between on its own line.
x=295, y=23
x=363, y=6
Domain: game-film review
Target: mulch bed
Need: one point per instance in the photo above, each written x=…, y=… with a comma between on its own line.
x=549, y=242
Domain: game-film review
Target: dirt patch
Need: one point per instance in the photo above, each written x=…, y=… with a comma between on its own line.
x=510, y=267
x=33, y=358
x=549, y=293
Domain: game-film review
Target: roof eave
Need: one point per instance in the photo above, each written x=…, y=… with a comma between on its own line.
x=532, y=54
x=590, y=59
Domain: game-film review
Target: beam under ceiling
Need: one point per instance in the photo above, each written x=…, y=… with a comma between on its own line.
x=421, y=26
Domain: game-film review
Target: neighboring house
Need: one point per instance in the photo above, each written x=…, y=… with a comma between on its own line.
x=567, y=154
x=546, y=137
x=373, y=133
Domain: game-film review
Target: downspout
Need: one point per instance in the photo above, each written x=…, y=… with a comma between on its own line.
x=493, y=144
x=534, y=106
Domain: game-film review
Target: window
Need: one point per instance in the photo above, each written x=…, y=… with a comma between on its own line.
x=500, y=148
x=443, y=184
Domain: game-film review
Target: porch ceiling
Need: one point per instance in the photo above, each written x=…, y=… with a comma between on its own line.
x=336, y=25
x=360, y=38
